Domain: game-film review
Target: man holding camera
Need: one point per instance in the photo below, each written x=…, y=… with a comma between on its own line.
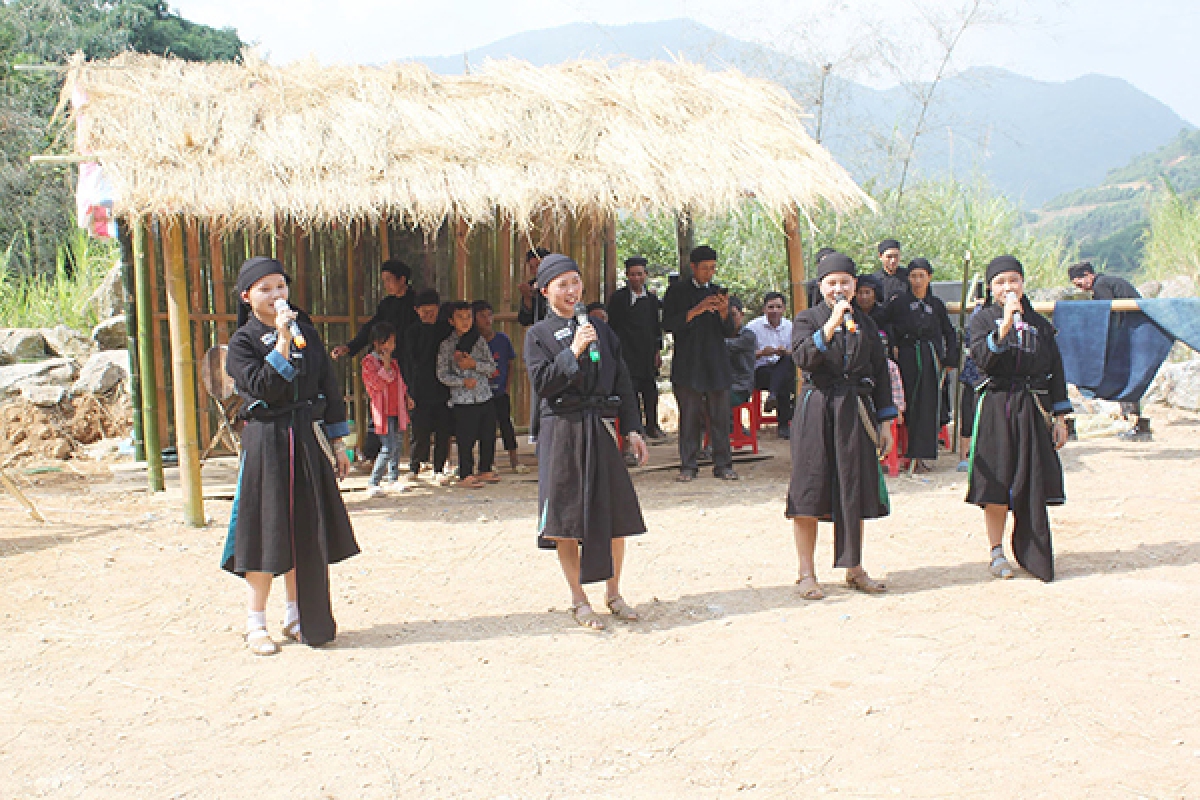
x=696, y=311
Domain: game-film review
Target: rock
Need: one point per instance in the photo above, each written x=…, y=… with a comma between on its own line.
x=60, y=450
x=67, y=343
x=1179, y=286
x=52, y=371
x=1053, y=295
x=23, y=344
x=44, y=396
x=109, y=297
x=1150, y=289
x=6, y=359
x=102, y=372
x=110, y=334
x=1176, y=385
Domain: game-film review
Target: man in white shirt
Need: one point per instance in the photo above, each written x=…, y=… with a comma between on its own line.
x=773, y=367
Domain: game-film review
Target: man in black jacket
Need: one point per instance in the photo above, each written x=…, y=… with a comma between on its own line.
x=395, y=308
x=1102, y=287
x=431, y=416
x=893, y=276
x=696, y=311
x=634, y=312
x=533, y=303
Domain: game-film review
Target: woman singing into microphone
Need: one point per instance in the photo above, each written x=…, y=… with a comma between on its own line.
x=288, y=518
x=1019, y=425
x=586, y=500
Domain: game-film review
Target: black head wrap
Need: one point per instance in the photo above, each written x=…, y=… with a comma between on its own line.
x=552, y=266
x=636, y=261
x=253, y=271
x=875, y=285
x=888, y=244
x=397, y=268
x=702, y=253
x=1080, y=269
x=921, y=263
x=538, y=252
x=836, y=262
x=824, y=251
x=1002, y=264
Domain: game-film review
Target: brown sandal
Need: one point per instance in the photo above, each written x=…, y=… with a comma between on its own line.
x=292, y=631
x=622, y=610
x=814, y=591
x=865, y=583
x=585, y=617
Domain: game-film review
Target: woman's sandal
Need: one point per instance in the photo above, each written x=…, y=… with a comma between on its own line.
x=1000, y=568
x=585, y=617
x=865, y=583
x=292, y=631
x=622, y=610
x=813, y=589
x=261, y=643
x=489, y=477
x=470, y=482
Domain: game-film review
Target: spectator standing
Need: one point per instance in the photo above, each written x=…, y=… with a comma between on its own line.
x=635, y=313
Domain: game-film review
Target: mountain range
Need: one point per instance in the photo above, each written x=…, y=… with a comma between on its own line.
x=1034, y=140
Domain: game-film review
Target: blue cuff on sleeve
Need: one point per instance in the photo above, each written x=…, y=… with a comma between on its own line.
x=991, y=343
x=887, y=413
x=281, y=365
x=819, y=340
x=337, y=430
x=1063, y=407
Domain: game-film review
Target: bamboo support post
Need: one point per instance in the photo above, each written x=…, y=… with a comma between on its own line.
x=352, y=294
x=611, y=267
x=198, y=302
x=131, y=327
x=685, y=240
x=159, y=356
x=183, y=374
x=795, y=259
x=145, y=356
x=461, y=289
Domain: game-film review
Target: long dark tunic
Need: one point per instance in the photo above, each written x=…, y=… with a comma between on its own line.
x=420, y=363
x=1013, y=461
x=287, y=511
x=1111, y=287
x=925, y=340
x=639, y=326
x=399, y=311
x=584, y=489
x=835, y=463
x=892, y=284
x=700, y=361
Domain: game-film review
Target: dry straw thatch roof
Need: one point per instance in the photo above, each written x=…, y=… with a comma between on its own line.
x=248, y=143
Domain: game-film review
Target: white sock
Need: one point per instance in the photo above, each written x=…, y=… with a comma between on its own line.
x=292, y=614
x=256, y=621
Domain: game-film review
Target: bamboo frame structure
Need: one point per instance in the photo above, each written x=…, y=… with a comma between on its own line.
x=145, y=357
x=183, y=374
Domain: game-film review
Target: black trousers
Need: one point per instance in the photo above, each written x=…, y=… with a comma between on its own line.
x=475, y=422
x=503, y=406
x=698, y=410
x=647, y=391
x=430, y=421
x=780, y=379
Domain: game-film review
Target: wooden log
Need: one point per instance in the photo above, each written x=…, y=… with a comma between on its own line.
x=187, y=444
x=611, y=267
x=145, y=355
x=220, y=293
x=300, y=247
x=504, y=259
x=797, y=274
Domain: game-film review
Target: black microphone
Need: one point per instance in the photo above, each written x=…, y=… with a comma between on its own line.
x=581, y=317
x=297, y=334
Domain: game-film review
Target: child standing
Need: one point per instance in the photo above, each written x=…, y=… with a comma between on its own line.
x=389, y=404
x=464, y=366
x=504, y=354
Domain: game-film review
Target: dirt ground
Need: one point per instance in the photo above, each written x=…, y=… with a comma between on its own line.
x=457, y=672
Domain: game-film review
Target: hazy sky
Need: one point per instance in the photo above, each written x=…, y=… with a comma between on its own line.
x=1151, y=43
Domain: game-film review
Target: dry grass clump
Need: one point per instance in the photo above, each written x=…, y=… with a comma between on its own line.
x=244, y=144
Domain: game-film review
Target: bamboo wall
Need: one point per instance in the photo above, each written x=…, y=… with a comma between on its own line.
x=330, y=265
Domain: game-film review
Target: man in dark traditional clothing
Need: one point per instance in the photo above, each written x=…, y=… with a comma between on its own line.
x=396, y=308
x=926, y=345
x=891, y=275
x=1019, y=426
x=431, y=416
x=533, y=304
x=837, y=435
x=1111, y=287
x=288, y=518
x=635, y=313
x=585, y=496
x=696, y=311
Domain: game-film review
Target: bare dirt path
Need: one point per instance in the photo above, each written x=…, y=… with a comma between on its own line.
x=457, y=672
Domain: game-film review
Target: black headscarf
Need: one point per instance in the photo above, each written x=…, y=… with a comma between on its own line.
x=888, y=244
x=921, y=263
x=1080, y=269
x=552, y=266
x=636, y=261
x=836, y=262
x=253, y=271
x=702, y=253
x=1001, y=264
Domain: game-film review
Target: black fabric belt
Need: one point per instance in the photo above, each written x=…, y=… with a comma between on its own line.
x=1036, y=385
x=864, y=386
x=564, y=406
x=260, y=411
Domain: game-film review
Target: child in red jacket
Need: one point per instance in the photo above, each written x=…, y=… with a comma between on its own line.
x=389, y=404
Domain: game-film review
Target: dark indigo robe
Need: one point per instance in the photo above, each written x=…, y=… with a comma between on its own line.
x=287, y=511
x=584, y=489
x=924, y=338
x=1013, y=462
x=639, y=326
x=699, y=362
x=835, y=463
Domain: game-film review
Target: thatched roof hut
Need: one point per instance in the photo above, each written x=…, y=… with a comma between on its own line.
x=333, y=169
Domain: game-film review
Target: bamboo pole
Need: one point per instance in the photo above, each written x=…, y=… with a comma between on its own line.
x=198, y=302
x=611, y=267
x=461, y=289
x=360, y=400
x=183, y=376
x=131, y=327
x=145, y=357
x=956, y=399
x=159, y=361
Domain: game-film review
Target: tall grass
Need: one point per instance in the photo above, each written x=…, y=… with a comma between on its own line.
x=1173, y=241
x=43, y=301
